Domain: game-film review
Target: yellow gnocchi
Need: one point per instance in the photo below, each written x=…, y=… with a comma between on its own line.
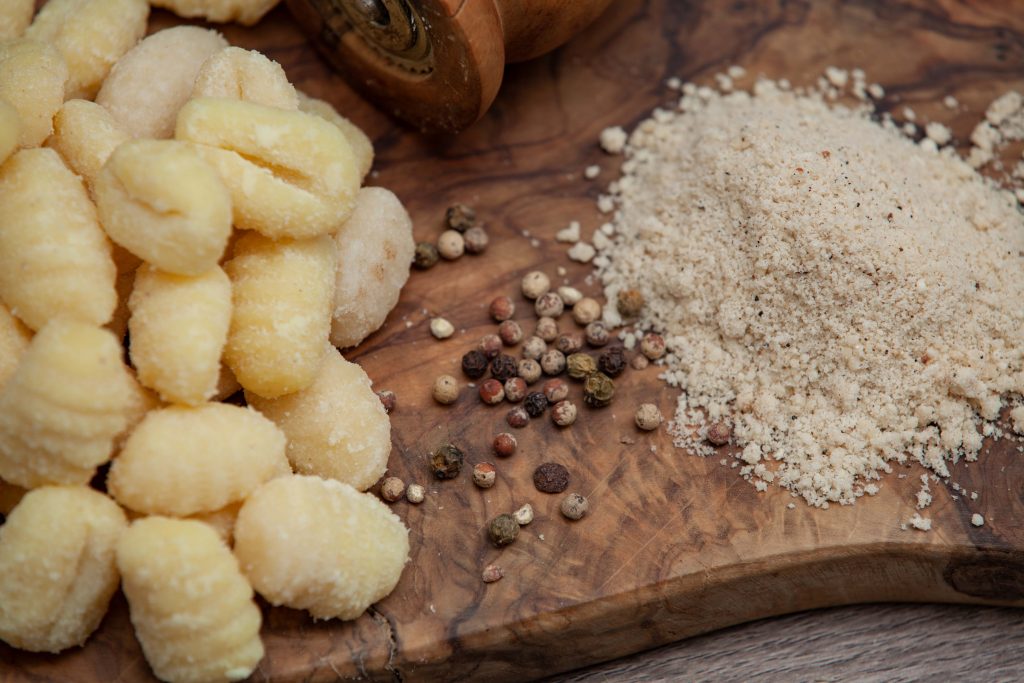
x=15, y=16
x=54, y=258
x=290, y=174
x=246, y=75
x=14, y=339
x=320, y=545
x=150, y=83
x=282, y=295
x=57, y=570
x=336, y=427
x=245, y=12
x=159, y=200
x=32, y=78
x=177, y=331
x=181, y=461
x=192, y=609
x=91, y=35
x=69, y=398
x=85, y=135
x=361, y=145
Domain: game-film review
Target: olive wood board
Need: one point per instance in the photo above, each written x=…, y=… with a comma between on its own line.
x=674, y=544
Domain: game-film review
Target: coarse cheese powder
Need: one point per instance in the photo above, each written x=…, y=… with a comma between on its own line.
x=843, y=297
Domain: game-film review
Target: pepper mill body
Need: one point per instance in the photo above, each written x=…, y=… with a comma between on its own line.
x=437, y=64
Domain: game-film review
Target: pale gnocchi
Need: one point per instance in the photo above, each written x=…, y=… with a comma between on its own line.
x=14, y=339
x=362, y=147
x=85, y=135
x=245, y=12
x=10, y=130
x=15, y=16
x=247, y=75
x=32, y=78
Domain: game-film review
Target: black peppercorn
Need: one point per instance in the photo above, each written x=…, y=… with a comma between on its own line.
x=474, y=364
x=535, y=403
x=425, y=256
x=612, y=362
x=446, y=461
x=551, y=478
x=504, y=367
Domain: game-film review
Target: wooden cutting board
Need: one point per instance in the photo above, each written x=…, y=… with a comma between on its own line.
x=675, y=544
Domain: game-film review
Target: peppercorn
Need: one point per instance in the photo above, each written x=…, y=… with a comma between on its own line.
x=551, y=478
x=459, y=217
x=517, y=417
x=515, y=389
x=476, y=240
x=490, y=345
x=523, y=515
x=388, y=400
x=630, y=303
x=504, y=367
x=570, y=295
x=491, y=392
x=579, y=365
x=534, y=347
x=491, y=573
x=549, y=305
x=652, y=346
x=450, y=245
x=391, y=489
x=718, y=434
x=570, y=342
x=441, y=328
x=586, y=311
x=597, y=334
x=529, y=370
x=553, y=362
x=502, y=530
x=504, y=445
x=556, y=390
x=574, y=506
x=474, y=364
x=563, y=413
x=612, y=362
x=639, y=362
x=425, y=255
x=502, y=308
x=535, y=284
x=535, y=403
x=446, y=390
x=598, y=390
x=414, y=494
x=647, y=417
x=547, y=329
x=446, y=461
x=484, y=475
x=510, y=332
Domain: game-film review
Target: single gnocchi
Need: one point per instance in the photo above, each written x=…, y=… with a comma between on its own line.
x=151, y=82
x=282, y=294
x=361, y=145
x=14, y=339
x=290, y=174
x=15, y=16
x=336, y=427
x=57, y=569
x=177, y=331
x=85, y=135
x=183, y=461
x=60, y=412
x=192, y=609
x=320, y=545
x=375, y=249
x=91, y=35
x=245, y=12
x=55, y=260
x=246, y=75
x=159, y=200
x=32, y=78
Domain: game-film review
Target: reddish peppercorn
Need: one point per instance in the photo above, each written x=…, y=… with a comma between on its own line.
x=515, y=389
x=556, y=390
x=569, y=343
x=490, y=345
x=517, y=417
x=505, y=445
x=510, y=332
x=491, y=392
x=630, y=303
x=502, y=308
x=719, y=434
x=474, y=364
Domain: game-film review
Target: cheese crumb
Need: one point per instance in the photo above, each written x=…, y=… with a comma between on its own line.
x=920, y=523
x=938, y=132
x=1017, y=419
x=924, y=496
x=591, y=172
x=950, y=102
x=569, y=234
x=977, y=520
x=613, y=139
x=582, y=252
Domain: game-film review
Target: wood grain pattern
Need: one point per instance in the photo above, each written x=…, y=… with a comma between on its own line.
x=675, y=545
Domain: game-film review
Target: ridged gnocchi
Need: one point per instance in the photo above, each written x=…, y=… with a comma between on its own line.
x=54, y=259
x=14, y=339
x=69, y=398
x=375, y=249
x=192, y=609
x=159, y=200
x=247, y=75
x=361, y=145
x=15, y=16
x=181, y=461
x=32, y=78
x=177, y=331
x=245, y=12
x=57, y=570
x=150, y=83
x=320, y=545
x=85, y=135
x=91, y=35
x=282, y=295
x=290, y=174
x=336, y=427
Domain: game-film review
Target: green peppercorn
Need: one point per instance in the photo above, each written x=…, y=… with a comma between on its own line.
x=598, y=390
x=580, y=365
x=502, y=530
x=446, y=461
x=426, y=255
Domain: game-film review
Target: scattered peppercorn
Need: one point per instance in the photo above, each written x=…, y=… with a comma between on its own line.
x=586, y=311
x=446, y=390
x=476, y=240
x=597, y=334
x=652, y=346
x=425, y=255
x=580, y=365
x=598, y=390
x=502, y=530
x=502, y=309
x=563, y=413
x=460, y=217
x=547, y=329
x=474, y=364
x=529, y=370
x=570, y=295
x=484, y=475
x=639, y=362
x=647, y=417
x=504, y=367
x=523, y=515
x=491, y=573
x=535, y=284
x=570, y=342
x=388, y=400
x=515, y=389
x=450, y=245
x=391, y=489
x=441, y=328
x=556, y=390
x=414, y=494
x=551, y=478
x=535, y=403
x=630, y=303
x=549, y=305
x=534, y=347
x=574, y=506
x=490, y=345
x=504, y=445
x=553, y=362
x=491, y=391
x=446, y=461
x=510, y=332
x=612, y=362
x=719, y=434
x=517, y=417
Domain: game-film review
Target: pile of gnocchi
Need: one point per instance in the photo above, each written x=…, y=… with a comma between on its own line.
x=179, y=223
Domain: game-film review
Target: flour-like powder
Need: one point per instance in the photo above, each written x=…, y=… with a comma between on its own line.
x=841, y=296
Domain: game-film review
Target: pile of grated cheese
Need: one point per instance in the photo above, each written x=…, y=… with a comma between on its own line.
x=842, y=296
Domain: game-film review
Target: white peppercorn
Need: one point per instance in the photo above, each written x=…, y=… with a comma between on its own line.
x=568, y=343
x=491, y=573
x=563, y=413
x=451, y=245
x=534, y=347
x=490, y=345
x=441, y=328
x=570, y=295
x=547, y=329
x=586, y=311
x=415, y=494
x=529, y=370
x=476, y=240
x=523, y=515
x=515, y=389
x=549, y=305
x=648, y=417
x=535, y=284
x=597, y=334
x=484, y=475
x=639, y=362
x=553, y=362
x=510, y=332
x=446, y=389
x=574, y=506
x=652, y=346
x=391, y=489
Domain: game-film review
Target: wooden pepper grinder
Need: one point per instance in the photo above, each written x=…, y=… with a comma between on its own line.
x=437, y=64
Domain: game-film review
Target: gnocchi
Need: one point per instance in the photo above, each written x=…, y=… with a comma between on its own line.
x=183, y=461
x=57, y=571
x=10, y=130
x=245, y=12
x=375, y=249
x=32, y=78
x=222, y=521
x=177, y=331
x=15, y=16
x=85, y=135
x=90, y=35
x=192, y=609
x=291, y=174
x=336, y=427
x=14, y=339
x=69, y=398
x=149, y=84
x=362, y=148
x=282, y=294
x=54, y=258
x=320, y=545
x=246, y=75
x=159, y=200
